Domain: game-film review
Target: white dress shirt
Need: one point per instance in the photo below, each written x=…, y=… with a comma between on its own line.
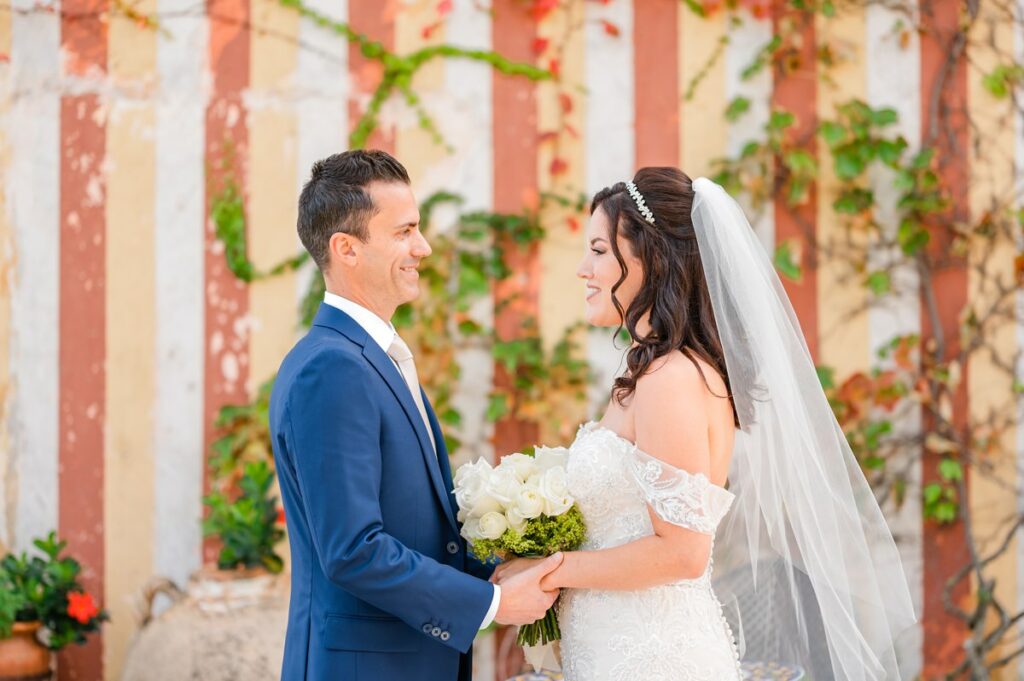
x=383, y=333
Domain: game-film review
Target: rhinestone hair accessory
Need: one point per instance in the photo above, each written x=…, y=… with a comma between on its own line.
x=640, y=203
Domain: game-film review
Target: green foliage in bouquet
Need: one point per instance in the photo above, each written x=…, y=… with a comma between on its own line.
x=247, y=523
x=46, y=589
x=543, y=536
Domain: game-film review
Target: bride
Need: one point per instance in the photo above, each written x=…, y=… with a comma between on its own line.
x=718, y=446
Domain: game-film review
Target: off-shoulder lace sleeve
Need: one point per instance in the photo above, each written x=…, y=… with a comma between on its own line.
x=679, y=497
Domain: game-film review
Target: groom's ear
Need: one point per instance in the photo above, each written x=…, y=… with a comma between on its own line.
x=343, y=248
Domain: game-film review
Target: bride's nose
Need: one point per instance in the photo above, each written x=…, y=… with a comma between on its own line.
x=582, y=271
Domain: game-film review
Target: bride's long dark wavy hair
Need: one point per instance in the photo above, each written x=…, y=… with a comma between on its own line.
x=674, y=289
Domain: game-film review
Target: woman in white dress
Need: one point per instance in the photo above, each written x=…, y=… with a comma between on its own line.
x=717, y=445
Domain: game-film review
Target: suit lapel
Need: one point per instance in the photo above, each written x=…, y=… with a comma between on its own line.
x=334, y=318
x=442, y=458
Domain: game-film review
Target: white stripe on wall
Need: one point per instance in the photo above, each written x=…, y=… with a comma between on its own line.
x=33, y=186
x=180, y=224
x=611, y=148
x=893, y=80
x=465, y=115
x=746, y=39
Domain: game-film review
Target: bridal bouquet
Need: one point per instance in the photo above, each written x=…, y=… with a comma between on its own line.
x=520, y=508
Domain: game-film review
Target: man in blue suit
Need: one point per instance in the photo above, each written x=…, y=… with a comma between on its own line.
x=382, y=586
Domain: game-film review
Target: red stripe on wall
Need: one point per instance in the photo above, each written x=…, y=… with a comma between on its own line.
x=515, y=186
x=82, y=311
x=514, y=126
x=945, y=547
x=227, y=297
x=796, y=91
x=656, y=96
x=376, y=20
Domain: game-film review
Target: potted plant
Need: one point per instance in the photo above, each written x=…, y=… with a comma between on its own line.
x=42, y=595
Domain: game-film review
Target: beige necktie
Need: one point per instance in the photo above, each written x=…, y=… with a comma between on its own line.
x=400, y=352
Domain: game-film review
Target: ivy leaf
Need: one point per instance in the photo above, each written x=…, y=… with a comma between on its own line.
x=932, y=493
x=890, y=151
x=951, y=470
x=879, y=282
x=785, y=263
x=737, y=107
x=833, y=133
x=883, y=117
x=826, y=376
x=497, y=407
x=912, y=237
x=848, y=164
x=780, y=120
x=853, y=201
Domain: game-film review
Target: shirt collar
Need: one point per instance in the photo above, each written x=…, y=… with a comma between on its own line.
x=382, y=332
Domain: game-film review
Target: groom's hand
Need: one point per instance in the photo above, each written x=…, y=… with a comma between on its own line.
x=522, y=599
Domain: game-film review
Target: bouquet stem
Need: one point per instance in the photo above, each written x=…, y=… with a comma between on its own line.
x=543, y=631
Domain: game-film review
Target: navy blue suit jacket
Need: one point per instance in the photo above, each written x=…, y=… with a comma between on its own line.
x=381, y=583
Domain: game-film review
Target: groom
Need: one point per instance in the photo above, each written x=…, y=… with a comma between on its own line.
x=382, y=586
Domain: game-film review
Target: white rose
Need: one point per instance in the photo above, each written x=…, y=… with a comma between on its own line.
x=550, y=457
x=503, y=485
x=533, y=482
x=554, y=484
x=529, y=503
x=493, y=525
x=523, y=465
x=479, y=505
x=474, y=473
x=471, y=530
x=515, y=519
x=557, y=506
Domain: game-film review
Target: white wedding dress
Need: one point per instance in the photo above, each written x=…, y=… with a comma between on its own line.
x=675, y=632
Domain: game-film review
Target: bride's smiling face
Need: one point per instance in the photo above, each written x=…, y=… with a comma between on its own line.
x=600, y=270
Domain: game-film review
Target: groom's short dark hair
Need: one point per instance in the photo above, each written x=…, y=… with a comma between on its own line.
x=335, y=197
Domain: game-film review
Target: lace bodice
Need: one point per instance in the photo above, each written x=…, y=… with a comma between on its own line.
x=674, y=632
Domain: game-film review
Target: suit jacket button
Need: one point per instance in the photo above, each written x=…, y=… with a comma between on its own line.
x=453, y=548
x=445, y=636
x=426, y=628
x=436, y=631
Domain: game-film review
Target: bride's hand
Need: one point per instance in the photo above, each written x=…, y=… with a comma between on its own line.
x=512, y=567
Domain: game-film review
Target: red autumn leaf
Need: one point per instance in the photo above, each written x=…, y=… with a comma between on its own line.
x=429, y=30
x=711, y=7
x=572, y=131
x=555, y=67
x=539, y=45
x=280, y=516
x=541, y=8
x=558, y=166
x=573, y=223
x=444, y=7
x=547, y=136
x=81, y=607
x=610, y=28
x=565, y=101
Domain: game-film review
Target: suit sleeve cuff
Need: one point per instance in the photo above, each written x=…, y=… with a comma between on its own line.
x=493, y=610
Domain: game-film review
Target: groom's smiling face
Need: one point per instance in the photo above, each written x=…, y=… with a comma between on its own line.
x=386, y=264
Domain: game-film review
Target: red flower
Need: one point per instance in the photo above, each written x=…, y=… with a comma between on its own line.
x=573, y=223
x=558, y=166
x=280, y=516
x=539, y=45
x=610, y=28
x=82, y=607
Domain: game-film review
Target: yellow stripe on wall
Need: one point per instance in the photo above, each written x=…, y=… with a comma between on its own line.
x=129, y=493
x=422, y=156
x=703, y=129
x=561, y=292
x=842, y=296
x=990, y=388
x=271, y=190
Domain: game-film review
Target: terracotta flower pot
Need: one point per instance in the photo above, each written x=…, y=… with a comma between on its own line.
x=22, y=656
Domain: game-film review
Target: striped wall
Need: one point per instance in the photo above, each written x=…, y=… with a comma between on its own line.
x=123, y=331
